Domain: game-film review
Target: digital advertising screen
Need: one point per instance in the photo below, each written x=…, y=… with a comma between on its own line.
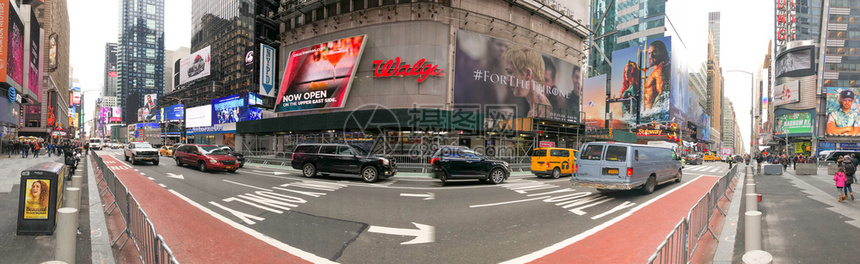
x=148, y=111
x=552, y=90
x=226, y=109
x=116, y=114
x=785, y=93
x=625, y=87
x=195, y=66
x=793, y=123
x=200, y=116
x=15, y=48
x=173, y=113
x=843, y=113
x=33, y=73
x=656, y=91
x=594, y=101
x=319, y=76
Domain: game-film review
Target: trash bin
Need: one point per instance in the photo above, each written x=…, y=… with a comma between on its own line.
x=40, y=196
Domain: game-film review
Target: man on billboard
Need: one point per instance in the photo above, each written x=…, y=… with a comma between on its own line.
x=656, y=82
x=149, y=108
x=846, y=119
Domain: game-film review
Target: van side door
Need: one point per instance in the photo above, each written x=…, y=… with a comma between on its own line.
x=615, y=164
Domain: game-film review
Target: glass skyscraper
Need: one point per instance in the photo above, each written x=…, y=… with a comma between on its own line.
x=141, y=55
x=621, y=25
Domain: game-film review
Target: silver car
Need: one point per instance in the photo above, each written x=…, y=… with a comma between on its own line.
x=620, y=166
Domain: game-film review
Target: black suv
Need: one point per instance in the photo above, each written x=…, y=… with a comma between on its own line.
x=458, y=162
x=341, y=159
x=230, y=151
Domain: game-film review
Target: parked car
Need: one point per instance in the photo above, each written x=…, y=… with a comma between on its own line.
x=459, y=162
x=341, y=159
x=834, y=155
x=620, y=166
x=232, y=152
x=553, y=162
x=694, y=159
x=166, y=151
x=140, y=151
x=205, y=157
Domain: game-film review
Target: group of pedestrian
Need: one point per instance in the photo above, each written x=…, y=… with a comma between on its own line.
x=845, y=176
x=33, y=148
x=785, y=160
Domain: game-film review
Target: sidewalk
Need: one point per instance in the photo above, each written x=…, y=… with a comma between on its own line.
x=802, y=222
x=38, y=249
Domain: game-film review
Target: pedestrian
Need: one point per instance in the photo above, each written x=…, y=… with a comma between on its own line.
x=24, y=149
x=854, y=159
x=850, y=171
x=793, y=161
x=785, y=160
x=36, y=149
x=87, y=147
x=730, y=161
x=50, y=149
x=840, y=182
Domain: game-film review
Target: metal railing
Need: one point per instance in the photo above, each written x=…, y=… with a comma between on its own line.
x=151, y=247
x=682, y=242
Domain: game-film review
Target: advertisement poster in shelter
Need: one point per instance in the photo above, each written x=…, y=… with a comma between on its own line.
x=320, y=76
x=38, y=199
x=515, y=79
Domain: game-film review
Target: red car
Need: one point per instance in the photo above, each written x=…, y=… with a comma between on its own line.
x=205, y=157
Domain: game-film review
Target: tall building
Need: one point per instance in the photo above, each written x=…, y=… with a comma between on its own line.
x=51, y=113
x=110, y=75
x=141, y=57
x=728, y=136
x=715, y=87
x=714, y=28
x=808, y=19
x=622, y=24
x=170, y=58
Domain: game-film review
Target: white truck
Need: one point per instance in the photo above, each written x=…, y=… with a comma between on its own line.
x=96, y=143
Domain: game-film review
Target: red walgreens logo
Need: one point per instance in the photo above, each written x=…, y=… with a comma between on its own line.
x=393, y=68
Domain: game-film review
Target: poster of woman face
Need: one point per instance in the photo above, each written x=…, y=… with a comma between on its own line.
x=498, y=73
x=38, y=199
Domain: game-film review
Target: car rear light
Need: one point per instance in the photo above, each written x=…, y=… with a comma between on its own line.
x=547, y=165
x=629, y=172
x=575, y=167
x=433, y=160
x=293, y=156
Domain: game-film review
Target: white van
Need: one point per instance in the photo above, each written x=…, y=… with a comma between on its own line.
x=621, y=166
x=97, y=143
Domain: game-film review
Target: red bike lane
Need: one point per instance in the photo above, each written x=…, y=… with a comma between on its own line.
x=198, y=236
x=631, y=239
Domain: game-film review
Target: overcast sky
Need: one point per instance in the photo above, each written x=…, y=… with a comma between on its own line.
x=746, y=28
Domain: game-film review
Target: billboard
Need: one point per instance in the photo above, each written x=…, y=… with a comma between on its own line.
x=195, y=66
x=796, y=62
x=537, y=84
x=706, y=124
x=843, y=114
x=33, y=73
x=173, y=113
x=76, y=97
x=793, y=123
x=226, y=109
x=625, y=87
x=726, y=151
x=786, y=93
x=52, y=52
x=267, y=70
x=14, y=47
x=111, y=61
x=594, y=101
x=148, y=111
x=656, y=93
x=116, y=114
x=319, y=76
x=200, y=116
x=52, y=107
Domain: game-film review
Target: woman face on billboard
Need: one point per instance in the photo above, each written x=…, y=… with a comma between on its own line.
x=525, y=65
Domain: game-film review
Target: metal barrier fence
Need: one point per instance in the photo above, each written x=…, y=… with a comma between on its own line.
x=682, y=242
x=151, y=247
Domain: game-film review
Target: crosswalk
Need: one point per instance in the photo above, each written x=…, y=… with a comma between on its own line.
x=703, y=169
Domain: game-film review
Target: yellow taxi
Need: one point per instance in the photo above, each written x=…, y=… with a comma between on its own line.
x=553, y=162
x=166, y=151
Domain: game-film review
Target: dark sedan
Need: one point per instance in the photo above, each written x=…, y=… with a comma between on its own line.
x=693, y=159
x=232, y=152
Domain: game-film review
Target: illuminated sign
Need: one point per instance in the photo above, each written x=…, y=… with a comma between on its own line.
x=785, y=22
x=393, y=68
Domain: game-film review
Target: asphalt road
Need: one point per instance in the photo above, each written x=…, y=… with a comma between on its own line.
x=405, y=219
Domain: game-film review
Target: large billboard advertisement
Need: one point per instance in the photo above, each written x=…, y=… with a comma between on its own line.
x=111, y=61
x=173, y=113
x=268, y=69
x=656, y=91
x=200, y=116
x=497, y=72
x=843, y=114
x=793, y=123
x=33, y=73
x=14, y=49
x=195, y=66
x=52, y=109
x=786, y=93
x=625, y=88
x=594, y=101
x=319, y=76
x=796, y=62
x=52, y=52
x=148, y=111
x=226, y=109
x=116, y=114
x=706, y=124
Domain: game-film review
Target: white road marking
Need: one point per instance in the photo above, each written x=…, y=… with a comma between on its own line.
x=162, y=185
x=262, y=237
x=426, y=196
x=246, y=185
x=424, y=233
x=567, y=242
x=171, y=175
x=508, y=202
x=150, y=178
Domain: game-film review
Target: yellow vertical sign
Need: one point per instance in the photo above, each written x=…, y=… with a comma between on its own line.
x=37, y=199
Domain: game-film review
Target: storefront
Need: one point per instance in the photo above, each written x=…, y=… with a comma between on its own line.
x=220, y=134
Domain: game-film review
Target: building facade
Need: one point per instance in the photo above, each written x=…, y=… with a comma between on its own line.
x=170, y=58
x=141, y=58
x=714, y=28
x=110, y=75
x=715, y=88
x=729, y=122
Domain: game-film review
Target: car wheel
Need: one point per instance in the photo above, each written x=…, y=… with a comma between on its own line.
x=556, y=173
x=443, y=177
x=369, y=174
x=133, y=161
x=178, y=163
x=233, y=171
x=680, y=174
x=309, y=170
x=155, y=163
x=497, y=176
x=202, y=166
x=650, y=185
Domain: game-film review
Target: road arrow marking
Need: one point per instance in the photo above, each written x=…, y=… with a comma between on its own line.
x=276, y=173
x=424, y=233
x=171, y=175
x=427, y=196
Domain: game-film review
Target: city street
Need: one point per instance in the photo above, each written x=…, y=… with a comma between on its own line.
x=407, y=216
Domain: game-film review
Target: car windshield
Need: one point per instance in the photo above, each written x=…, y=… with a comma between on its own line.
x=207, y=150
x=142, y=145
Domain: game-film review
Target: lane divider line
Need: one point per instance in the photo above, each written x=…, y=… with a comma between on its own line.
x=246, y=185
